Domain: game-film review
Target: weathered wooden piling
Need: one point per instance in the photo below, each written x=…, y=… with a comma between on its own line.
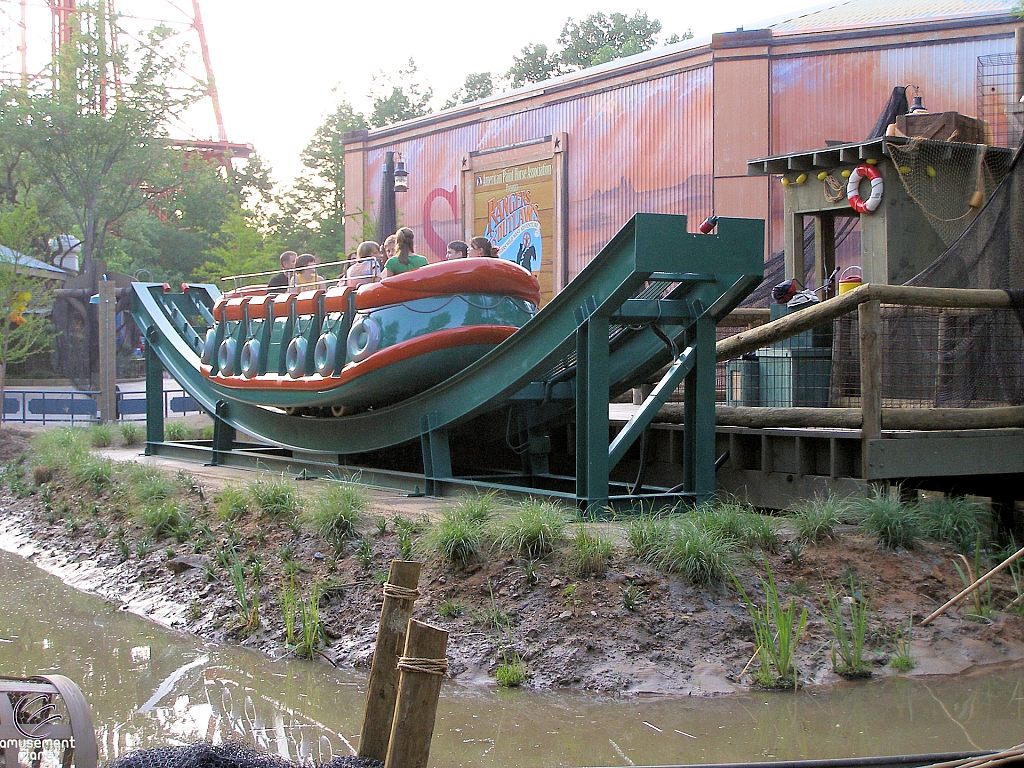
x=423, y=667
x=400, y=593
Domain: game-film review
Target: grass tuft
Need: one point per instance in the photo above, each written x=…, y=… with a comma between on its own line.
x=458, y=536
x=161, y=520
x=895, y=525
x=276, y=497
x=131, y=434
x=954, y=520
x=816, y=519
x=591, y=550
x=702, y=555
x=336, y=510
x=647, y=535
x=177, y=430
x=101, y=436
x=97, y=471
x=533, y=529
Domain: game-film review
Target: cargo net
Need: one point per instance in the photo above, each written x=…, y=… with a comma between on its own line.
x=931, y=358
x=228, y=755
x=946, y=178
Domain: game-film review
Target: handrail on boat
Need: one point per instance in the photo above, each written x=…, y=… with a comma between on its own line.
x=349, y=262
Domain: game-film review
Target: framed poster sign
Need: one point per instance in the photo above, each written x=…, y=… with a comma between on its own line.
x=514, y=198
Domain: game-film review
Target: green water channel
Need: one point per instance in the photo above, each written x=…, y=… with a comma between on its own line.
x=149, y=686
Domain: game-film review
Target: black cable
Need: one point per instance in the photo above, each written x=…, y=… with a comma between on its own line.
x=638, y=484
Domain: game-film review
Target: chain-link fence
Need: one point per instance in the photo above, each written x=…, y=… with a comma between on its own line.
x=998, y=98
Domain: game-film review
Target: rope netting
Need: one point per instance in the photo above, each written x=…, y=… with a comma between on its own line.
x=229, y=755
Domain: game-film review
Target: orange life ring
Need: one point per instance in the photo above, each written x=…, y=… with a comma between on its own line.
x=853, y=189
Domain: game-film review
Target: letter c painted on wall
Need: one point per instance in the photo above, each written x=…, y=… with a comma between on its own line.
x=435, y=241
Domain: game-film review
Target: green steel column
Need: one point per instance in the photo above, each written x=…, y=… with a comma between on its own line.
x=154, y=396
x=592, y=415
x=690, y=436
x=704, y=408
x=223, y=433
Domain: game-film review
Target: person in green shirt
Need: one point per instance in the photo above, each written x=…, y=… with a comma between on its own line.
x=405, y=259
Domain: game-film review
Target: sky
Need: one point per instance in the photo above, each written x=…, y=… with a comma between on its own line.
x=282, y=67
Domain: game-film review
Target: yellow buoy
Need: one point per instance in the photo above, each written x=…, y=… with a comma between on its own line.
x=871, y=161
x=930, y=171
x=904, y=169
x=845, y=174
x=785, y=181
x=801, y=178
x=822, y=175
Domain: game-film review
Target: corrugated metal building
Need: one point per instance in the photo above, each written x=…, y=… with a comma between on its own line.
x=568, y=161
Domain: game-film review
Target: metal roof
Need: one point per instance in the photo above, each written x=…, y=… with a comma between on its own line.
x=871, y=14
x=8, y=255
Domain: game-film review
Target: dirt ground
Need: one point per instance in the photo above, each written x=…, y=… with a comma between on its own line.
x=678, y=639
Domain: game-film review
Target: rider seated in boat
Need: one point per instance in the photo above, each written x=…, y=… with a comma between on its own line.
x=306, y=278
x=456, y=250
x=280, y=282
x=404, y=260
x=367, y=267
x=480, y=247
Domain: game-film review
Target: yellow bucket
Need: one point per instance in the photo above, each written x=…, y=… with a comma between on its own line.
x=847, y=284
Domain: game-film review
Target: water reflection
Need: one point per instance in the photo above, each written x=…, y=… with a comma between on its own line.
x=148, y=687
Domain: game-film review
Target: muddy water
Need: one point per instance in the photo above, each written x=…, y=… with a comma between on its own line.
x=149, y=686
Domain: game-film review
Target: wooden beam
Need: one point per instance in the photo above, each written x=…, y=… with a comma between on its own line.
x=907, y=419
x=870, y=318
x=423, y=666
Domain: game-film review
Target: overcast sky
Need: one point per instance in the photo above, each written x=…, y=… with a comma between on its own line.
x=281, y=67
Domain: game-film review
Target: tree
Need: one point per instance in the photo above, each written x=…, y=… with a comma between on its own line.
x=478, y=85
x=313, y=210
x=534, y=66
x=103, y=160
x=399, y=97
x=243, y=249
x=597, y=39
x=24, y=326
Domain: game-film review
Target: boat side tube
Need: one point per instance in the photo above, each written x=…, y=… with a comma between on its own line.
x=284, y=306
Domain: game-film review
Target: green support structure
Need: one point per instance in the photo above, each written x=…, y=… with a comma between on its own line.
x=654, y=290
x=223, y=434
x=154, y=395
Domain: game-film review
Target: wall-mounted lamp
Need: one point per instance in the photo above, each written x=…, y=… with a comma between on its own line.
x=916, y=105
x=401, y=175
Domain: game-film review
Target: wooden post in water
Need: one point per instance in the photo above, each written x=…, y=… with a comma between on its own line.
x=870, y=320
x=423, y=667
x=400, y=592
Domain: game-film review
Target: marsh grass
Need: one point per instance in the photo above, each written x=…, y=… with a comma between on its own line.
x=982, y=596
x=738, y=522
x=232, y=502
x=60, y=448
x=479, y=507
x=458, y=536
x=177, y=430
x=131, y=434
x=894, y=524
x=450, y=609
x=312, y=635
x=289, y=610
x=101, y=436
x=511, y=672
x=591, y=550
x=901, y=638
x=337, y=509
x=247, y=607
x=848, y=643
x=532, y=529
x=275, y=496
x=632, y=597
x=162, y=519
x=703, y=555
x=816, y=519
x=777, y=633
x=647, y=535
x=954, y=520
x=94, y=471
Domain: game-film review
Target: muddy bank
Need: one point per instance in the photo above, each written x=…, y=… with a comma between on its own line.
x=570, y=631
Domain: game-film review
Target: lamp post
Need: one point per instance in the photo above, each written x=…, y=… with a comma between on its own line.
x=395, y=178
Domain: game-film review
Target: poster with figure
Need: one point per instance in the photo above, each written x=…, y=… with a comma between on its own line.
x=513, y=207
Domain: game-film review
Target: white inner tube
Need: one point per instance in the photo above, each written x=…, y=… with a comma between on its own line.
x=295, y=357
x=226, y=357
x=363, y=339
x=210, y=346
x=251, y=358
x=325, y=353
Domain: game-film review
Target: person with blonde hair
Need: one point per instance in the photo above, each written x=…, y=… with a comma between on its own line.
x=388, y=247
x=367, y=267
x=405, y=259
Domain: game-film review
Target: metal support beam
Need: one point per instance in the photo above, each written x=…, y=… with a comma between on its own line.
x=437, y=454
x=108, y=351
x=650, y=407
x=592, y=414
x=223, y=434
x=154, y=396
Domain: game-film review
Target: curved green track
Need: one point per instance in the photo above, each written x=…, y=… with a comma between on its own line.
x=652, y=273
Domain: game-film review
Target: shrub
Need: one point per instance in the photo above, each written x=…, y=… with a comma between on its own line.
x=177, y=430
x=816, y=519
x=647, y=535
x=336, y=510
x=533, y=529
x=702, y=555
x=162, y=519
x=591, y=550
x=457, y=536
x=232, y=502
x=101, y=436
x=276, y=497
x=894, y=524
x=955, y=520
x=131, y=434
